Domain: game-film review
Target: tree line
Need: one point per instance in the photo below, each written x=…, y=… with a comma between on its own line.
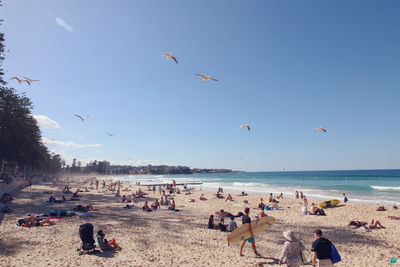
x=21, y=148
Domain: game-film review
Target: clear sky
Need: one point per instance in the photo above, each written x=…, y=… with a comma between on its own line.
x=283, y=67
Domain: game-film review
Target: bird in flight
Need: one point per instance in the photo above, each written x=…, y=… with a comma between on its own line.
x=30, y=80
x=82, y=118
x=206, y=78
x=245, y=126
x=110, y=134
x=320, y=129
x=20, y=80
x=170, y=56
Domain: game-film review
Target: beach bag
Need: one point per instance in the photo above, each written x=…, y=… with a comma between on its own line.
x=86, y=235
x=335, y=255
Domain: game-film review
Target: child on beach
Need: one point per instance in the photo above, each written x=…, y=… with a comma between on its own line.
x=104, y=243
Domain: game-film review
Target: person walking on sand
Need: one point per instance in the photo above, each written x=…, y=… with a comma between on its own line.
x=246, y=220
x=291, y=251
x=321, y=249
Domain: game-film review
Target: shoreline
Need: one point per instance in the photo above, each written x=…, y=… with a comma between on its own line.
x=237, y=187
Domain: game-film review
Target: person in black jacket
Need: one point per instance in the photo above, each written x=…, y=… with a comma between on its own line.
x=321, y=249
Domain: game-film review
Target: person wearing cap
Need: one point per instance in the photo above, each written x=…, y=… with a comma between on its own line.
x=321, y=249
x=291, y=251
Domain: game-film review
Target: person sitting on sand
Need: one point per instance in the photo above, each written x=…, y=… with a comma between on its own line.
x=316, y=211
x=52, y=199
x=380, y=208
x=280, y=196
x=261, y=205
x=229, y=197
x=232, y=224
x=202, y=197
x=133, y=199
x=305, y=201
x=156, y=205
x=76, y=194
x=211, y=224
x=218, y=195
x=262, y=213
x=173, y=207
x=104, y=243
x=272, y=199
x=304, y=211
x=123, y=199
x=273, y=205
x=146, y=207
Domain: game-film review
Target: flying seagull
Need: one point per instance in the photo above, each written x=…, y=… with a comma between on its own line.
x=170, y=56
x=245, y=126
x=110, y=134
x=320, y=128
x=20, y=80
x=82, y=118
x=30, y=80
x=206, y=78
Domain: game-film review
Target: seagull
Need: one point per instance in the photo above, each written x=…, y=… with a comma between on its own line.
x=320, y=128
x=169, y=56
x=109, y=134
x=245, y=126
x=206, y=78
x=30, y=80
x=20, y=80
x=82, y=118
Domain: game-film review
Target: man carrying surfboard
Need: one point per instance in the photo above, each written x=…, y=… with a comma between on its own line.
x=246, y=220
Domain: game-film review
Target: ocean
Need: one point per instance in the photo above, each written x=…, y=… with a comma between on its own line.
x=361, y=186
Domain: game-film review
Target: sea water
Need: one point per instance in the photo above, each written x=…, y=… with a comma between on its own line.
x=363, y=186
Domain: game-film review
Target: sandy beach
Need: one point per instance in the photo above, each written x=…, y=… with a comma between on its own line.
x=162, y=237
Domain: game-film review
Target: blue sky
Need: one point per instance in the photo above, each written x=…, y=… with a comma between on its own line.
x=284, y=67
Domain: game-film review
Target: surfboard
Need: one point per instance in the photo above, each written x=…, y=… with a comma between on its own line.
x=258, y=226
x=329, y=203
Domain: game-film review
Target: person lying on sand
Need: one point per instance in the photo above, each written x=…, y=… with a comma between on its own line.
x=373, y=225
x=34, y=221
x=104, y=243
x=380, y=208
x=82, y=208
x=243, y=194
x=129, y=206
x=229, y=197
x=394, y=217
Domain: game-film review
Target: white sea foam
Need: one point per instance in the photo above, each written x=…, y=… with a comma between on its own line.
x=392, y=188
